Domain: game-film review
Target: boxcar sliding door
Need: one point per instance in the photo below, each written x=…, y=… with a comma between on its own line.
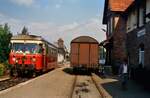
x=84, y=55
x=93, y=55
x=74, y=54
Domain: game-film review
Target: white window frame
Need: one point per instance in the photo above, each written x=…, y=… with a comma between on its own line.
x=141, y=57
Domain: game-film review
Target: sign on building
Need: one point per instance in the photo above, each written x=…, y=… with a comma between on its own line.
x=141, y=32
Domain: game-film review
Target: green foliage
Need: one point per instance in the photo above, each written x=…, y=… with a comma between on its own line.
x=5, y=36
x=1, y=69
x=24, y=31
x=7, y=65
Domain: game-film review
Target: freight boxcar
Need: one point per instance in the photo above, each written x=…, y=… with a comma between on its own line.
x=84, y=53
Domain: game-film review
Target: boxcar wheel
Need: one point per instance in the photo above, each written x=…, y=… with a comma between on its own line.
x=74, y=70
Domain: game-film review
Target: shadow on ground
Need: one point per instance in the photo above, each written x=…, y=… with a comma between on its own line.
x=79, y=72
x=133, y=89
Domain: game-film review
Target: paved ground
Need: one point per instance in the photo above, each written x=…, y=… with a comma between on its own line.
x=112, y=85
x=55, y=84
x=58, y=84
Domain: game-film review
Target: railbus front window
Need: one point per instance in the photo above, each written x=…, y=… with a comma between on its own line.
x=28, y=48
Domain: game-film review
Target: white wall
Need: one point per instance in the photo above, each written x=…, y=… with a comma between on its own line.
x=132, y=21
x=60, y=58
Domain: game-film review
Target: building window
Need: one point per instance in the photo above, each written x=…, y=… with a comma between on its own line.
x=141, y=16
x=147, y=9
x=141, y=55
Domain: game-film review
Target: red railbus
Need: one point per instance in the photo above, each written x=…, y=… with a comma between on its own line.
x=31, y=54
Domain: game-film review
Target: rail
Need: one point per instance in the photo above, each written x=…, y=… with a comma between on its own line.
x=100, y=90
x=73, y=86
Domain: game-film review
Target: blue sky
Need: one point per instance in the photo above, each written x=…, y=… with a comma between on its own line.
x=53, y=19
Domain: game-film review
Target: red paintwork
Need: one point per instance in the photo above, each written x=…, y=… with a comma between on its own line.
x=50, y=61
x=28, y=61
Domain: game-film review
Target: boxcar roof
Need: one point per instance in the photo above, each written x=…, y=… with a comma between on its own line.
x=84, y=39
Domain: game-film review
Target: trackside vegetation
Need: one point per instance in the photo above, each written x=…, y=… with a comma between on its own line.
x=5, y=36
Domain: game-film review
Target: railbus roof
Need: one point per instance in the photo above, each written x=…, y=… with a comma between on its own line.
x=31, y=37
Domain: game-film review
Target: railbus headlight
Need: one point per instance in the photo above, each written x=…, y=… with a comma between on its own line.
x=14, y=59
x=34, y=59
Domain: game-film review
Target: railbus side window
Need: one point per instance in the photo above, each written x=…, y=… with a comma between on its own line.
x=40, y=48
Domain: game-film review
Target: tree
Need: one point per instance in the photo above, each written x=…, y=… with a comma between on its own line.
x=5, y=36
x=24, y=31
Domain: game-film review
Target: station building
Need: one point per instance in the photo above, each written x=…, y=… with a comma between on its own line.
x=115, y=20
x=128, y=32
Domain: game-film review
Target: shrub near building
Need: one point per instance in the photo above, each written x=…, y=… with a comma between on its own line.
x=1, y=69
x=5, y=36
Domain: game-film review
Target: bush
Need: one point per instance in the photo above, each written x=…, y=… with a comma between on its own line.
x=7, y=65
x=2, y=68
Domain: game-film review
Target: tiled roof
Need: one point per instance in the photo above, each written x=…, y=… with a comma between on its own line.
x=116, y=6
x=119, y=5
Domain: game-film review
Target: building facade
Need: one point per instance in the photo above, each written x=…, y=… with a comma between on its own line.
x=115, y=19
x=62, y=51
x=128, y=30
x=138, y=34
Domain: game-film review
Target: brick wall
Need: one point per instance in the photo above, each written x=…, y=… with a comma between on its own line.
x=133, y=43
x=119, y=41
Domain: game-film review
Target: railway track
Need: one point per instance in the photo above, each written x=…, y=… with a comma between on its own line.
x=84, y=86
x=5, y=84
